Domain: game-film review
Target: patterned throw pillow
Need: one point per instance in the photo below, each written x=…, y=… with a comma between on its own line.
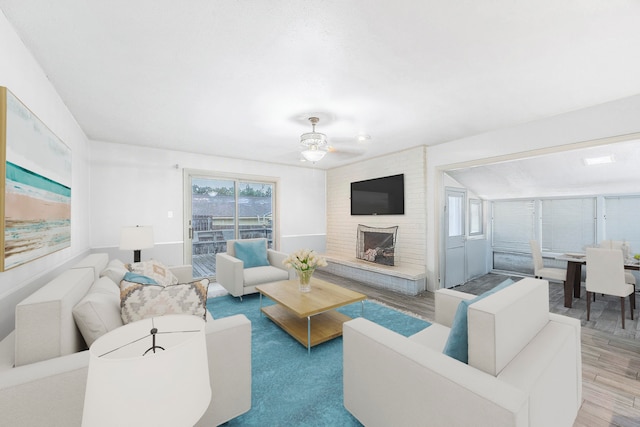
x=138, y=301
x=156, y=270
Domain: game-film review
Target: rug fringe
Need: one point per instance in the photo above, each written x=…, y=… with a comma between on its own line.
x=407, y=312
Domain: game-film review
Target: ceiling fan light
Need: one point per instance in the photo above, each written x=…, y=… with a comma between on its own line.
x=313, y=154
x=313, y=138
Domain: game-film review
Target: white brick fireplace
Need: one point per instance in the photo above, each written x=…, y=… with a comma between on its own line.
x=407, y=275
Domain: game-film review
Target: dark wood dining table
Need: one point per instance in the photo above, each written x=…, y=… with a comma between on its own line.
x=574, y=274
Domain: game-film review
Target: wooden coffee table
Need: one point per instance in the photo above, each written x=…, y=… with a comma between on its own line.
x=294, y=309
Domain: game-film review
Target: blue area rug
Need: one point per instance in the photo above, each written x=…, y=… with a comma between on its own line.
x=289, y=386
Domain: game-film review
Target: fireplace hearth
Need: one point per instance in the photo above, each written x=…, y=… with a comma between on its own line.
x=376, y=244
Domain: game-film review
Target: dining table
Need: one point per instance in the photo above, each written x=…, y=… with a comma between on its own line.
x=575, y=261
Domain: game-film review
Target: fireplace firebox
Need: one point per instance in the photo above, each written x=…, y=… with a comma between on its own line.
x=376, y=244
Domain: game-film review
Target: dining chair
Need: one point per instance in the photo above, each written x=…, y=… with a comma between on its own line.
x=629, y=278
x=605, y=275
x=542, y=272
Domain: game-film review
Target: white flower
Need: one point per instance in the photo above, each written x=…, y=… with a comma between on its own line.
x=304, y=259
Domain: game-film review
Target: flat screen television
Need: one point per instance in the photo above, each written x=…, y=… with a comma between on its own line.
x=378, y=196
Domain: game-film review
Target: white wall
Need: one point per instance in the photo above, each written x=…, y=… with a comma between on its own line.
x=24, y=77
x=558, y=133
x=342, y=227
x=134, y=185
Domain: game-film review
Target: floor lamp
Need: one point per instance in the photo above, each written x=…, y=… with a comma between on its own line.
x=136, y=238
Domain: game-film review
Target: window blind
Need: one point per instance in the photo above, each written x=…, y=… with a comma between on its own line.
x=513, y=225
x=621, y=220
x=568, y=225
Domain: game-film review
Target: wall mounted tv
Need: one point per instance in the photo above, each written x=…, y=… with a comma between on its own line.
x=378, y=196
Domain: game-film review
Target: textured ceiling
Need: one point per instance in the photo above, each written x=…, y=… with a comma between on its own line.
x=239, y=78
x=558, y=174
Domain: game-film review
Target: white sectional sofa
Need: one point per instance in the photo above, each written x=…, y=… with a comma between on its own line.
x=524, y=365
x=45, y=363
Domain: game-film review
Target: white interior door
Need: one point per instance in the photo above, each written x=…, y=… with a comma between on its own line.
x=455, y=237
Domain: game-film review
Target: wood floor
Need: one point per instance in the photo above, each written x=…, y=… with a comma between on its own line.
x=610, y=354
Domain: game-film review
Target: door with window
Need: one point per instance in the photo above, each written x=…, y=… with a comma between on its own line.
x=220, y=208
x=455, y=237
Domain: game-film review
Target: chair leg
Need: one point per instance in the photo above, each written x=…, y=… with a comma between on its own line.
x=622, y=310
x=631, y=298
x=588, y=305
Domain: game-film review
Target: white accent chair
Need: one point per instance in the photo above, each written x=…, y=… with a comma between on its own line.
x=542, y=272
x=605, y=275
x=525, y=365
x=239, y=281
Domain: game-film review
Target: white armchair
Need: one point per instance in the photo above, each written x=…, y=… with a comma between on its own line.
x=524, y=365
x=239, y=281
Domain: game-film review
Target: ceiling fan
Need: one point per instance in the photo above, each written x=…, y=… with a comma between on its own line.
x=314, y=145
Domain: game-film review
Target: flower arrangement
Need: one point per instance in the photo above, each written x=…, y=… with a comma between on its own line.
x=304, y=260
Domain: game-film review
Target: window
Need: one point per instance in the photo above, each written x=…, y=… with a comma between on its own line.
x=621, y=220
x=560, y=225
x=513, y=225
x=568, y=225
x=223, y=207
x=456, y=217
x=475, y=217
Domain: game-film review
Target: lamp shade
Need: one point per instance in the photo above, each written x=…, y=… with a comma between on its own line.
x=169, y=387
x=138, y=237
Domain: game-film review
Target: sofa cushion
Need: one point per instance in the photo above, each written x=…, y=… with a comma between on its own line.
x=99, y=311
x=457, y=345
x=139, y=301
x=156, y=270
x=259, y=275
x=115, y=271
x=253, y=253
x=434, y=337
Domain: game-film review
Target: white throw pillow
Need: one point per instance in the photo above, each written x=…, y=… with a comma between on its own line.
x=115, y=271
x=99, y=311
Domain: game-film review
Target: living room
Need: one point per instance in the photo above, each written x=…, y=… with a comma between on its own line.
x=119, y=183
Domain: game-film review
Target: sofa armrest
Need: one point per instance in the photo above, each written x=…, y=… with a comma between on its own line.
x=229, y=353
x=574, y=323
x=276, y=259
x=391, y=380
x=229, y=274
x=184, y=273
x=446, y=304
x=47, y=393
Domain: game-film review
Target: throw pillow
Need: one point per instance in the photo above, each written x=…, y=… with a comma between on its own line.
x=457, y=345
x=99, y=311
x=115, y=270
x=253, y=253
x=139, y=301
x=138, y=278
x=155, y=270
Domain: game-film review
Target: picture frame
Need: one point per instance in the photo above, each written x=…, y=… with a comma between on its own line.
x=35, y=217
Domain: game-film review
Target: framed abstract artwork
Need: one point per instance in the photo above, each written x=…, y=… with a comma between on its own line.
x=36, y=186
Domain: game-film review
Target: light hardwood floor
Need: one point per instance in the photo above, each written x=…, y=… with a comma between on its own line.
x=610, y=354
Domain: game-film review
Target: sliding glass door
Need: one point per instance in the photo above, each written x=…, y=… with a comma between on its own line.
x=218, y=209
